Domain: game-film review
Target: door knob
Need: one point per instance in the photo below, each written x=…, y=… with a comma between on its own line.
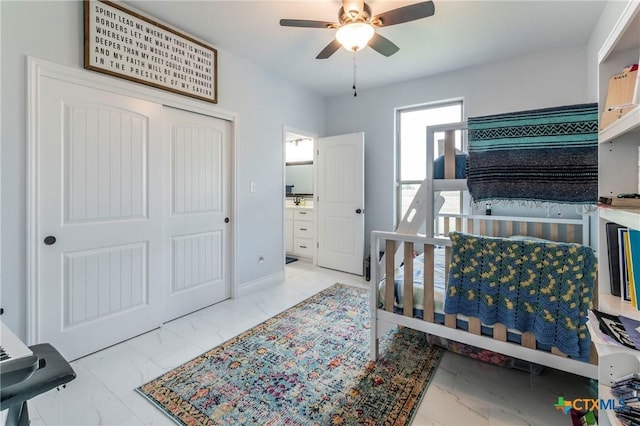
x=358, y=211
x=49, y=240
x=226, y=220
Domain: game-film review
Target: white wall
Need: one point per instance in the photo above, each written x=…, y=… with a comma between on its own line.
x=544, y=79
x=53, y=30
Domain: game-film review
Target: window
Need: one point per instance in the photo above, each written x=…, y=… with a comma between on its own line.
x=411, y=148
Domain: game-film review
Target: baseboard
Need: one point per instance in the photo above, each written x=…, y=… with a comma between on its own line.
x=259, y=284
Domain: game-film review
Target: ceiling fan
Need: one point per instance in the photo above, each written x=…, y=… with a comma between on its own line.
x=357, y=26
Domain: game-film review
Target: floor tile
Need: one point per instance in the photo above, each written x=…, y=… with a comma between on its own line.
x=463, y=391
x=120, y=368
x=84, y=401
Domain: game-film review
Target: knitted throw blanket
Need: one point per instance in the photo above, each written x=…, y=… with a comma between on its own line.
x=528, y=285
x=544, y=155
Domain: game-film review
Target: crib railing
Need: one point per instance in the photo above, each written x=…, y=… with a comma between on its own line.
x=554, y=229
x=428, y=245
x=389, y=242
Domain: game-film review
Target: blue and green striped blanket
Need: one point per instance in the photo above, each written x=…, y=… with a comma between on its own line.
x=529, y=285
x=543, y=155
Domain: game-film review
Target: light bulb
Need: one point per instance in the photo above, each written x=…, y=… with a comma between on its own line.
x=354, y=36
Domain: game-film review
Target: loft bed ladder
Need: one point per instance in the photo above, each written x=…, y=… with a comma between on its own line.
x=428, y=198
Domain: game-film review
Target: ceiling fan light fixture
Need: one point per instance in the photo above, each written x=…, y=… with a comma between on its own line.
x=355, y=36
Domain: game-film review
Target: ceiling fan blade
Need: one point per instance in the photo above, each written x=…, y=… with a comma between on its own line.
x=304, y=23
x=329, y=50
x=405, y=14
x=383, y=45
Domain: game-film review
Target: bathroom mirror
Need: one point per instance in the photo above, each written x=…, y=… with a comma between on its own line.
x=299, y=178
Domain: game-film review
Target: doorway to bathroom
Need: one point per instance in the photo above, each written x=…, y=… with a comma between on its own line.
x=299, y=184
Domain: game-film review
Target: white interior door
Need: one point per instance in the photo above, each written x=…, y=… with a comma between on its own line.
x=132, y=201
x=198, y=237
x=99, y=217
x=340, y=202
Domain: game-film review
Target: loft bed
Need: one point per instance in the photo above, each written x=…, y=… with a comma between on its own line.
x=545, y=325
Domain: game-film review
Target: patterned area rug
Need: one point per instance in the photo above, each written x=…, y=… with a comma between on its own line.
x=306, y=366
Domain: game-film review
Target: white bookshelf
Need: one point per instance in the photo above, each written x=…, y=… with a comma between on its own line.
x=618, y=146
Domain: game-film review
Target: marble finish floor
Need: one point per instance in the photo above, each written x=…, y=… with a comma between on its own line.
x=463, y=391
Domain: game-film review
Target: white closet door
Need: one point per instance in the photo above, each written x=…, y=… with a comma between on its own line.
x=340, y=206
x=198, y=229
x=99, y=199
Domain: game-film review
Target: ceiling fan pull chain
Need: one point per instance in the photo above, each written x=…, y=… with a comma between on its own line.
x=354, y=75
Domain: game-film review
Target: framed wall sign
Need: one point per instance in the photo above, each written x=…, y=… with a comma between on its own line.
x=125, y=44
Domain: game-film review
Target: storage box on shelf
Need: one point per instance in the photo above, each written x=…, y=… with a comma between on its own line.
x=619, y=143
x=622, y=96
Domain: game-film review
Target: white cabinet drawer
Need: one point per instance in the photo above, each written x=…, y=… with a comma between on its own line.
x=303, y=247
x=299, y=221
x=303, y=229
x=300, y=214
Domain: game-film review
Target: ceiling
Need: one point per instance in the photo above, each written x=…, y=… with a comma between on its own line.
x=459, y=35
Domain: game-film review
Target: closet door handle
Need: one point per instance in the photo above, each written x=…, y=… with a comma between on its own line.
x=358, y=211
